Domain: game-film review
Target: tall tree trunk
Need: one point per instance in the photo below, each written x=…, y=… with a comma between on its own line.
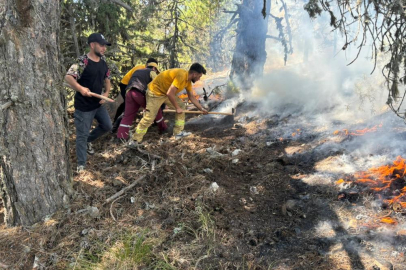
x=73, y=30
x=173, y=60
x=250, y=55
x=35, y=178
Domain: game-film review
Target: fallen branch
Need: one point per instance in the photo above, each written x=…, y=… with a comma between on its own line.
x=121, y=192
x=3, y=266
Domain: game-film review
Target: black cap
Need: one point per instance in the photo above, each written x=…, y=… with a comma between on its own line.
x=99, y=38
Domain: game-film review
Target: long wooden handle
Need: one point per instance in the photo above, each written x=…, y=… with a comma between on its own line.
x=101, y=97
x=195, y=112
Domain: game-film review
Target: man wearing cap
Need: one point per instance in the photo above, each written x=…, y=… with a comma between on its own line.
x=123, y=90
x=135, y=98
x=90, y=74
x=164, y=89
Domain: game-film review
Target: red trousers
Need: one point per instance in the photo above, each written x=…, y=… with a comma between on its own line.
x=133, y=101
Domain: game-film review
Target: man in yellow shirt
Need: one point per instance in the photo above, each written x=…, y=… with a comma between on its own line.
x=164, y=89
x=123, y=86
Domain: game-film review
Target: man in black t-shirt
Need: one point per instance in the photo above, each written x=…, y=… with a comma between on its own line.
x=90, y=74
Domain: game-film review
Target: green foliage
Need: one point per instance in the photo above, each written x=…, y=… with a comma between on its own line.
x=177, y=33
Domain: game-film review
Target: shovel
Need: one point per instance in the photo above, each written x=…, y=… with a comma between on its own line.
x=200, y=112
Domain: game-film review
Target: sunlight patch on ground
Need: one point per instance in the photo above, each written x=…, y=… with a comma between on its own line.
x=318, y=179
x=325, y=229
x=90, y=179
x=290, y=150
x=334, y=164
x=339, y=256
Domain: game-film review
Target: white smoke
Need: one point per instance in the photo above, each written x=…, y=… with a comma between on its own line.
x=316, y=78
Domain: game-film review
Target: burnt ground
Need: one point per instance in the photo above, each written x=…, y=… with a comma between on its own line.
x=261, y=216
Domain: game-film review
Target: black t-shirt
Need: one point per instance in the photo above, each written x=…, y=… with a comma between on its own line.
x=92, y=77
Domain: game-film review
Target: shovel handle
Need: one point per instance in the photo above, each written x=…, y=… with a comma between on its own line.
x=101, y=97
x=195, y=112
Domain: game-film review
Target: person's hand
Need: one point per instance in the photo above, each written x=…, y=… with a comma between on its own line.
x=179, y=110
x=85, y=92
x=204, y=111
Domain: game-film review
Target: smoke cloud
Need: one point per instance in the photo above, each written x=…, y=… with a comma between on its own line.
x=316, y=78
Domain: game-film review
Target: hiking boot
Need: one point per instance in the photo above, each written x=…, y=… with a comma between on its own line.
x=90, y=149
x=118, y=140
x=182, y=134
x=80, y=168
x=134, y=144
x=116, y=124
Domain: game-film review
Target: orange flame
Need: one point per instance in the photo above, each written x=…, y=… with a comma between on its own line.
x=387, y=179
x=340, y=181
x=389, y=220
x=186, y=98
x=298, y=132
x=358, y=132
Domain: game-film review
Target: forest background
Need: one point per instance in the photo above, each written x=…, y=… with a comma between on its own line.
x=177, y=33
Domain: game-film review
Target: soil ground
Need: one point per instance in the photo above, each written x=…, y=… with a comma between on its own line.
x=261, y=215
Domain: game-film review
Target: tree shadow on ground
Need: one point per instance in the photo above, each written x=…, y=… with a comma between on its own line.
x=317, y=204
x=262, y=227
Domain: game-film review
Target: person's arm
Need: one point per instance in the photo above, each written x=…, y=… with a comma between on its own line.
x=107, y=87
x=196, y=102
x=76, y=86
x=172, y=98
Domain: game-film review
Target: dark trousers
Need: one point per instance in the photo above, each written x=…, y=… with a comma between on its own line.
x=134, y=101
x=83, y=123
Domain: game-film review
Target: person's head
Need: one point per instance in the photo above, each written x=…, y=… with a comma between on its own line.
x=151, y=60
x=153, y=66
x=98, y=44
x=196, y=71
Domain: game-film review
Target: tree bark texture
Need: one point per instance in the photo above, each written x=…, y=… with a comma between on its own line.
x=250, y=54
x=35, y=177
x=72, y=28
x=173, y=60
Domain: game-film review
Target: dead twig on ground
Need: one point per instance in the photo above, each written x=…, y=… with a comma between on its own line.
x=200, y=259
x=148, y=154
x=3, y=266
x=121, y=192
x=153, y=165
x=5, y=106
x=111, y=208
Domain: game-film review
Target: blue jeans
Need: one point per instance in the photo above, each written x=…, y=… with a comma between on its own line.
x=83, y=123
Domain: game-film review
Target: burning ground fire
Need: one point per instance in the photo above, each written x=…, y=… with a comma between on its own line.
x=387, y=183
x=358, y=132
